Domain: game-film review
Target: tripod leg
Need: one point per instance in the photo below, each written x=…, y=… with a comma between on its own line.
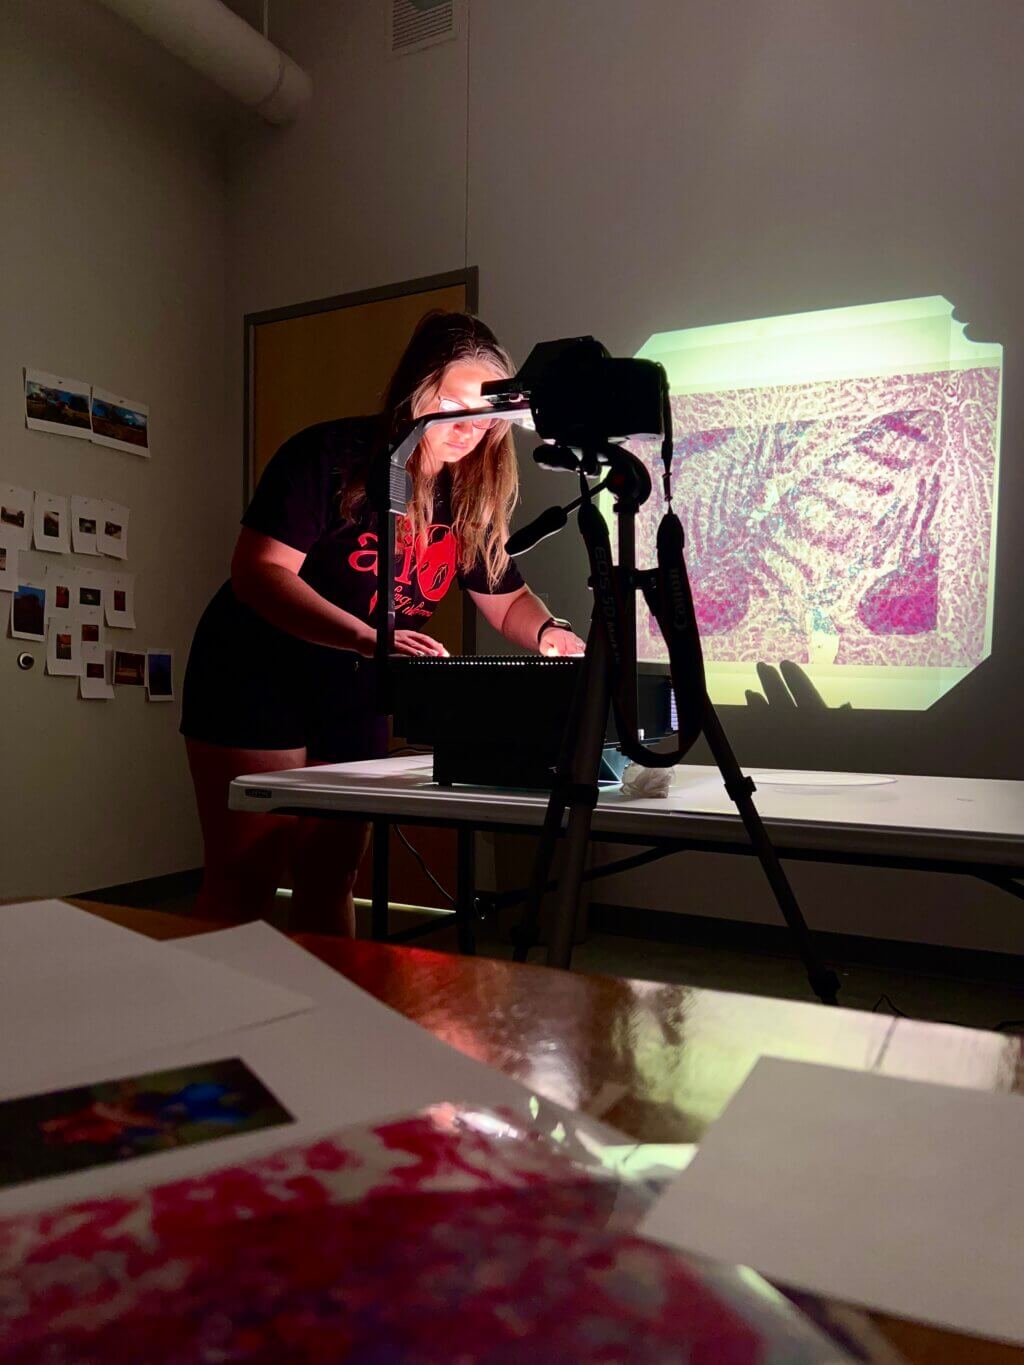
x=524, y=936
x=593, y=675
x=581, y=796
x=824, y=981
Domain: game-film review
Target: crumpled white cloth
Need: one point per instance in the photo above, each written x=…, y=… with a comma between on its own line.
x=638, y=781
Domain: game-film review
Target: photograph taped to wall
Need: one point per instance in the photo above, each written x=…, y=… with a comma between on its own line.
x=85, y=516
x=63, y=649
x=112, y=530
x=836, y=474
x=129, y=668
x=92, y=588
x=16, y=515
x=89, y=625
x=96, y=680
x=50, y=523
x=120, y=422
x=160, y=674
x=28, y=610
x=61, y=591
x=8, y=561
x=56, y=403
x=120, y=600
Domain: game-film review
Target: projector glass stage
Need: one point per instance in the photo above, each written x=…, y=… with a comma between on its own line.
x=836, y=473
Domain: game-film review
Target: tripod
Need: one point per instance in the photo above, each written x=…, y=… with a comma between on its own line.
x=575, y=786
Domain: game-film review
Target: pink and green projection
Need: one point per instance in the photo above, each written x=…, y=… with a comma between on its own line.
x=836, y=473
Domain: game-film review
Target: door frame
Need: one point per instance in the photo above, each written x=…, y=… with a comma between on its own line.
x=425, y=284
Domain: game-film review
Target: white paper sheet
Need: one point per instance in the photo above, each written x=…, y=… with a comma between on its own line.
x=9, y=552
x=93, y=588
x=28, y=609
x=63, y=649
x=50, y=523
x=122, y=423
x=350, y=1060
x=89, y=626
x=112, y=530
x=896, y=1195
x=61, y=591
x=85, y=516
x=56, y=403
x=16, y=514
x=75, y=999
x=120, y=600
x=96, y=681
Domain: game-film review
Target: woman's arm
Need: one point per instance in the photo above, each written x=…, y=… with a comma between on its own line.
x=265, y=576
x=519, y=615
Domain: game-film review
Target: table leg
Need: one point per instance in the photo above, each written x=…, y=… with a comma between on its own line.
x=381, y=888
x=465, y=891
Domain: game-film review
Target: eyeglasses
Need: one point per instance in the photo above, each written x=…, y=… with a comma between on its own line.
x=451, y=405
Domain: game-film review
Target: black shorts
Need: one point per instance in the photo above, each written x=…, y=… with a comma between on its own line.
x=250, y=686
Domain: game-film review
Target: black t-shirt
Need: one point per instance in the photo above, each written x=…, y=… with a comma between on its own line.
x=298, y=501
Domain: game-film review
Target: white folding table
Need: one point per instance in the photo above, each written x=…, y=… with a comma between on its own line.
x=969, y=826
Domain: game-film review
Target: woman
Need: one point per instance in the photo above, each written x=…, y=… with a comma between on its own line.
x=280, y=673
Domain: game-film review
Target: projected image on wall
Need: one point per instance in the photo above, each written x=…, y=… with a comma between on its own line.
x=836, y=473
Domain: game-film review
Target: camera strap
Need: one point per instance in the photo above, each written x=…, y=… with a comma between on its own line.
x=666, y=590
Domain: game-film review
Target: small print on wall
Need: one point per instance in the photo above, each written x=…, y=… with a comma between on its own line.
x=85, y=518
x=56, y=403
x=92, y=588
x=95, y=682
x=28, y=611
x=129, y=668
x=63, y=650
x=122, y=423
x=8, y=562
x=120, y=601
x=112, y=530
x=61, y=591
x=159, y=675
x=16, y=515
x=50, y=523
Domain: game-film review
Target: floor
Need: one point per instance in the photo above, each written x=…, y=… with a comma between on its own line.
x=972, y=999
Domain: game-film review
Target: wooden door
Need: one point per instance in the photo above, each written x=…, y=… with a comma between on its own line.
x=332, y=358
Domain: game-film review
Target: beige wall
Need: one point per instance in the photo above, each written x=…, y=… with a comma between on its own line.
x=112, y=252
x=638, y=167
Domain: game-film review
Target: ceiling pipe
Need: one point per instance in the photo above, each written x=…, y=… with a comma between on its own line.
x=214, y=41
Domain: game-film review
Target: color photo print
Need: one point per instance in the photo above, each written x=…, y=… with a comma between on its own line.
x=16, y=506
x=159, y=675
x=129, y=668
x=56, y=404
x=28, y=612
x=120, y=422
x=96, y=1125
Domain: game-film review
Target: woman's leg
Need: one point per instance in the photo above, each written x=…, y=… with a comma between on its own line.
x=325, y=857
x=245, y=855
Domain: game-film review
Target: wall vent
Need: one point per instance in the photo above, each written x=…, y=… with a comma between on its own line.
x=416, y=24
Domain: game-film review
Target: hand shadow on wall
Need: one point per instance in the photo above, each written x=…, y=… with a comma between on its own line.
x=788, y=688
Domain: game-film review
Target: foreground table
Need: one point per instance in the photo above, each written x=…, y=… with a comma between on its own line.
x=660, y=1062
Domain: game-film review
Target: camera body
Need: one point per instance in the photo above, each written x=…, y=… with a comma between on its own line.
x=582, y=397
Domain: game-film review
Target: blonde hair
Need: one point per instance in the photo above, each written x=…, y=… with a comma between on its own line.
x=485, y=484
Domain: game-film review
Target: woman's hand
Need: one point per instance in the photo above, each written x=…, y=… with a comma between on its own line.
x=557, y=642
x=415, y=643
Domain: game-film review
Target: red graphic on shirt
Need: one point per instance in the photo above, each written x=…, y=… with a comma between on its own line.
x=428, y=566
